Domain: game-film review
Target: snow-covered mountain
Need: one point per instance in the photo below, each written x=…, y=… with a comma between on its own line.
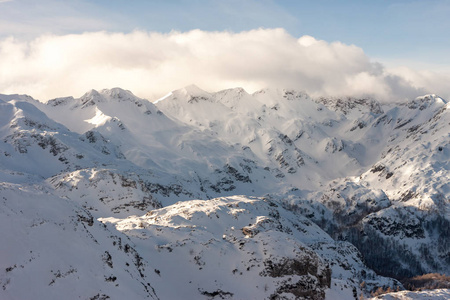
x=97, y=195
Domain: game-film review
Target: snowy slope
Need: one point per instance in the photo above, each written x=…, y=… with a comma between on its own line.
x=154, y=142
x=369, y=173
x=55, y=249
x=336, y=186
x=440, y=294
x=238, y=247
x=400, y=204
x=35, y=145
x=247, y=248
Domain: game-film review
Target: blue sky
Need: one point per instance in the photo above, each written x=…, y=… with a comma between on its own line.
x=391, y=30
x=405, y=36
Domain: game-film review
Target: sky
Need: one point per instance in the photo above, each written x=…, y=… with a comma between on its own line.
x=391, y=50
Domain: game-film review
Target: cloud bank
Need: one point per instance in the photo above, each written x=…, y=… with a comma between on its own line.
x=152, y=64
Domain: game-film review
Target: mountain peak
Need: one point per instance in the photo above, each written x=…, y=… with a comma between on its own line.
x=118, y=93
x=193, y=90
x=7, y=98
x=91, y=98
x=426, y=101
x=191, y=94
x=94, y=97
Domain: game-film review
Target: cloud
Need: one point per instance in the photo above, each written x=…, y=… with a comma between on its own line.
x=151, y=64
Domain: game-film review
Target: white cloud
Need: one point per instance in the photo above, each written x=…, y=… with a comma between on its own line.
x=151, y=64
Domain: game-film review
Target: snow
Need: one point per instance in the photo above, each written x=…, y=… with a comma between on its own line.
x=99, y=118
x=221, y=255
x=439, y=294
x=81, y=178
x=162, y=98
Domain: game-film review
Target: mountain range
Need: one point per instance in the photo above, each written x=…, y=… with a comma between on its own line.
x=225, y=195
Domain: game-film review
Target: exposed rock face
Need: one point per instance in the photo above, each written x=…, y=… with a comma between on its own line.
x=312, y=284
x=348, y=104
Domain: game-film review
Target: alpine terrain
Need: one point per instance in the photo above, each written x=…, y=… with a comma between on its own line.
x=226, y=195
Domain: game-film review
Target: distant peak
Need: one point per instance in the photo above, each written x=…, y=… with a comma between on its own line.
x=425, y=101
x=236, y=91
x=117, y=93
x=194, y=90
x=7, y=98
x=91, y=98
x=94, y=97
x=91, y=92
x=192, y=94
